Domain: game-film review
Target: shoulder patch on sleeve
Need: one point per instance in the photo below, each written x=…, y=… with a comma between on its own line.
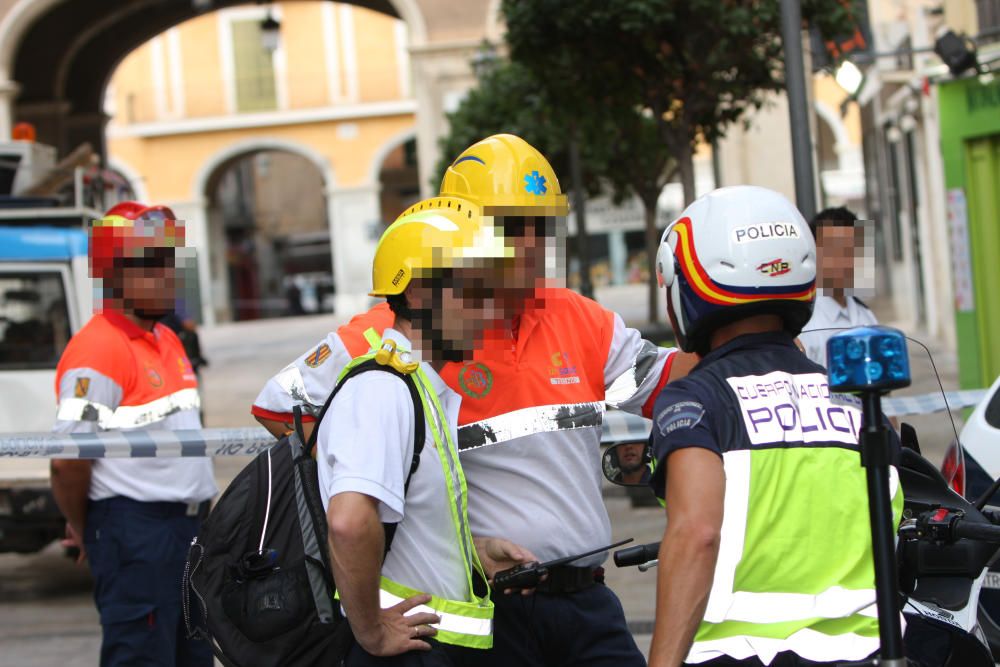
x=685, y=414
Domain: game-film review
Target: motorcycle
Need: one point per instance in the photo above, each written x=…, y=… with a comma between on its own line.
x=945, y=548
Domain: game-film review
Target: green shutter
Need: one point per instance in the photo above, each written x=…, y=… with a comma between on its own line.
x=254, y=69
x=983, y=172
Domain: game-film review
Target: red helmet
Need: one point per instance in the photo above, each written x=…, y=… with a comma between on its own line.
x=131, y=230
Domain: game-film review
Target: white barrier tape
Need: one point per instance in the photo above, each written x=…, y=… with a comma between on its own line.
x=214, y=442
x=211, y=442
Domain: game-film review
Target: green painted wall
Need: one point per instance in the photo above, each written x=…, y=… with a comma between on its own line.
x=970, y=145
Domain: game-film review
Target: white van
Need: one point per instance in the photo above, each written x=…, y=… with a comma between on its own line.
x=45, y=297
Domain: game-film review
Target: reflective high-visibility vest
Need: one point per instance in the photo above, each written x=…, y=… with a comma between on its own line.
x=463, y=622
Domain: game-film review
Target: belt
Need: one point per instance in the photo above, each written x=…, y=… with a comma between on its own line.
x=162, y=509
x=564, y=579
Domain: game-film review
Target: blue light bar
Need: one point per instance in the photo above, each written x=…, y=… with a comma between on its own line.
x=868, y=359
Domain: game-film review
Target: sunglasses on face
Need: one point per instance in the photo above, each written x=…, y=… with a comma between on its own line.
x=519, y=226
x=153, y=262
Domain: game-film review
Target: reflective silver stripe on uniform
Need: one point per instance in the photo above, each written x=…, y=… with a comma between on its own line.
x=627, y=384
x=806, y=643
x=528, y=421
x=291, y=381
x=129, y=416
x=465, y=625
x=82, y=410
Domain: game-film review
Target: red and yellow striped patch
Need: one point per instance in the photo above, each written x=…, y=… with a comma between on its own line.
x=319, y=355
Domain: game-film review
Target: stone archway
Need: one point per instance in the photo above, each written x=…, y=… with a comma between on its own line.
x=230, y=254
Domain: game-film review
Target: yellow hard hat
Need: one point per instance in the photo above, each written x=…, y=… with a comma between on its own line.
x=506, y=172
x=436, y=233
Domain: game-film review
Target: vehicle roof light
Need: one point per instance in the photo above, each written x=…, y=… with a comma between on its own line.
x=868, y=359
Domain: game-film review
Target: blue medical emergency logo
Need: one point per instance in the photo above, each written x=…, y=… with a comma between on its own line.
x=534, y=183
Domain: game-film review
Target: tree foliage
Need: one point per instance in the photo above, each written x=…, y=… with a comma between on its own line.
x=637, y=82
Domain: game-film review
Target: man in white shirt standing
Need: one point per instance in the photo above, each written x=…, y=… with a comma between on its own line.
x=838, y=237
x=426, y=604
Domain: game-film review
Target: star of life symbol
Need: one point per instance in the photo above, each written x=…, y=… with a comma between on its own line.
x=534, y=183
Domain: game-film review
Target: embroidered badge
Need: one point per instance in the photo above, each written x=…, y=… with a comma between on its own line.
x=476, y=380
x=82, y=387
x=153, y=376
x=685, y=414
x=319, y=355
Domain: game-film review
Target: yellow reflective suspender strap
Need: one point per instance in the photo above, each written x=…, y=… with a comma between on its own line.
x=374, y=340
x=463, y=623
x=453, y=475
x=468, y=624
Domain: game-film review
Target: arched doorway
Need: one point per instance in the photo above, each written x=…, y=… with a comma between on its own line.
x=398, y=180
x=268, y=250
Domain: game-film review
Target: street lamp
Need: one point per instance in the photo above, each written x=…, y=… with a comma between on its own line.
x=485, y=59
x=849, y=77
x=270, y=33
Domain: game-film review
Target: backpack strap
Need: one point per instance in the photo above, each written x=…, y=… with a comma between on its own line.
x=419, y=430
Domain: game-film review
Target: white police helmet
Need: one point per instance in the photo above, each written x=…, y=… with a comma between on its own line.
x=735, y=252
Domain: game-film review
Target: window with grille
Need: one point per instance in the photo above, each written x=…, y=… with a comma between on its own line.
x=253, y=67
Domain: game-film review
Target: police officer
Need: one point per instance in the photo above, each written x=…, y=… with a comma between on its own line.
x=766, y=558
x=432, y=266
x=837, y=240
x=133, y=518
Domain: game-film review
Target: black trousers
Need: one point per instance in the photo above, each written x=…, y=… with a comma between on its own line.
x=584, y=629
x=137, y=552
x=440, y=655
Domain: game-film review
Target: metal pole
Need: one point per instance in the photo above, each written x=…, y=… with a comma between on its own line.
x=798, y=107
x=580, y=210
x=875, y=459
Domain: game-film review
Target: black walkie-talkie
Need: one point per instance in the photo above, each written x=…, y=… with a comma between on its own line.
x=528, y=575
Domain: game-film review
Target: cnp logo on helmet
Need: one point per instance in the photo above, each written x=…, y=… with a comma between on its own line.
x=437, y=233
x=506, y=175
x=132, y=231
x=736, y=252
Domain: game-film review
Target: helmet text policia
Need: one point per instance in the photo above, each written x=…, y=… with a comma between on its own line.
x=733, y=253
x=132, y=231
x=435, y=234
x=506, y=176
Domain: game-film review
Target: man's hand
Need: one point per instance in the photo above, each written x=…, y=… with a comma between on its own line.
x=74, y=540
x=498, y=554
x=395, y=632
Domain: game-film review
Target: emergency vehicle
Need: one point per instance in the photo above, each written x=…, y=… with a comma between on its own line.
x=45, y=297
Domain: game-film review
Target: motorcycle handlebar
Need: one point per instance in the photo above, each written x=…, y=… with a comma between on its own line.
x=637, y=555
x=976, y=531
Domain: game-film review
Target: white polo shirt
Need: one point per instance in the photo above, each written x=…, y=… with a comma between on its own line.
x=830, y=315
x=365, y=445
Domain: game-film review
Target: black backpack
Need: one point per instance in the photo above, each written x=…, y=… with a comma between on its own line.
x=258, y=585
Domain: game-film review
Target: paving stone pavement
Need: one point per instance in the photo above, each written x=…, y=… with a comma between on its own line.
x=47, y=614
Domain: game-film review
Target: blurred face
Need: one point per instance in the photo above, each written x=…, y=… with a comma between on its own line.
x=835, y=250
x=630, y=457
x=146, y=285
x=451, y=313
x=530, y=236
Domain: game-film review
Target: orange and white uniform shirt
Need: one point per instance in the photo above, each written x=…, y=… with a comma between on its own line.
x=116, y=376
x=530, y=418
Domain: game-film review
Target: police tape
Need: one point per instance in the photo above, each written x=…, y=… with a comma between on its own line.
x=617, y=426
x=213, y=442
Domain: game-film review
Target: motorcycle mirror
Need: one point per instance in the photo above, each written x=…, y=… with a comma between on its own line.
x=627, y=464
x=908, y=437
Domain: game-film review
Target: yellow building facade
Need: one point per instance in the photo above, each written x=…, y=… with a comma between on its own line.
x=200, y=97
